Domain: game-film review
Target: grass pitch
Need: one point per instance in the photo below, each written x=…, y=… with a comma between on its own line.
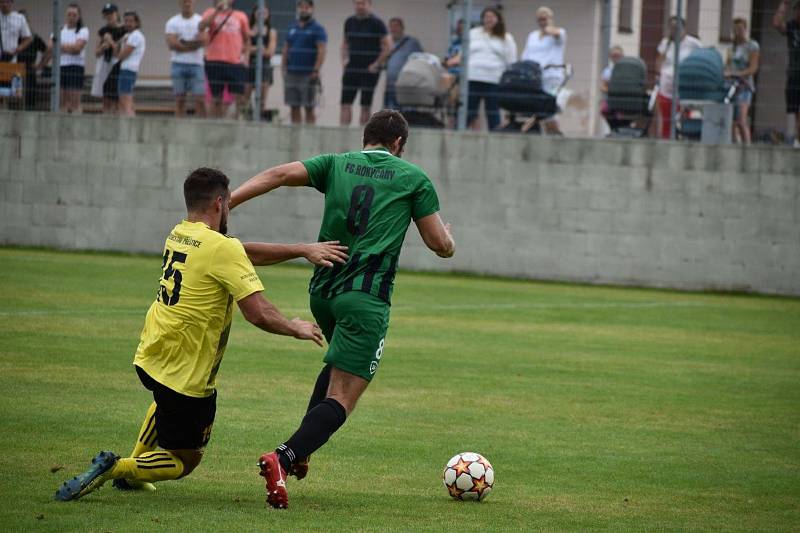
x=609, y=408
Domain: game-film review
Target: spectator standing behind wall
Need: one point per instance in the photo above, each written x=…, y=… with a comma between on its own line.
x=228, y=43
x=491, y=51
x=615, y=54
x=106, y=76
x=404, y=46
x=129, y=53
x=743, y=59
x=269, y=38
x=15, y=35
x=303, y=55
x=28, y=56
x=72, y=41
x=791, y=29
x=186, y=41
x=546, y=46
x=452, y=60
x=665, y=64
x=365, y=48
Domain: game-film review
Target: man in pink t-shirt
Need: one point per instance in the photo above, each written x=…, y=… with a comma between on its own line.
x=228, y=45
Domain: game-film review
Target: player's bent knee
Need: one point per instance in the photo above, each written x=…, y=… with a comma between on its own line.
x=190, y=458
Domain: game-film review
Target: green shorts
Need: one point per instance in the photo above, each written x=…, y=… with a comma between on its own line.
x=354, y=324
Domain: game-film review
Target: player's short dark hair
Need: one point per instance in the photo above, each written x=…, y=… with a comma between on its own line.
x=384, y=127
x=309, y=2
x=203, y=186
x=740, y=20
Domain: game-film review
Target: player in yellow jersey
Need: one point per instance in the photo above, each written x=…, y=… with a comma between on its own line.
x=186, y=331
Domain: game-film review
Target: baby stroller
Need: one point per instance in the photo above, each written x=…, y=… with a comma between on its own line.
x=421, y=88
x=701, y=81
x=521, y=92
x=628, y=113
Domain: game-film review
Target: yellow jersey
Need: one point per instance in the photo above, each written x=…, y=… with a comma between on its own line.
x=186, y=328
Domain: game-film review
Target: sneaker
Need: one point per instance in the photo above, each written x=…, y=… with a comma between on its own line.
x=299, y=469
x=91, y=480
x=275, y=476
x=131, y=484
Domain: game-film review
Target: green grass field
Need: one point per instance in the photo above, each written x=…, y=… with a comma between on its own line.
x=620, y=409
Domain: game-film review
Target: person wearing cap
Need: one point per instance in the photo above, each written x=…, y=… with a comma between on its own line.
x=109, y=37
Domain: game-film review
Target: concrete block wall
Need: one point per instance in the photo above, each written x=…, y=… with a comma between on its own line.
x=645, y=213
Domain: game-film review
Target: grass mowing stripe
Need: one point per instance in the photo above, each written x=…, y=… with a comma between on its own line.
x=622, y=409
x=399, y=308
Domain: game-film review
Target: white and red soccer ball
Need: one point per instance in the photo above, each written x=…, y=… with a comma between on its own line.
x=468, y=476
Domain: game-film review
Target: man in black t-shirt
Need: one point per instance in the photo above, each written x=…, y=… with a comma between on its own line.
x=791, y=29
x=365, y=49
x=109, y=37
x=28, y=57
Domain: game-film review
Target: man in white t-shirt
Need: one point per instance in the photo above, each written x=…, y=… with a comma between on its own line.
x=16, y=35
x=546, y=46
x=665, y=65
x=186, y=41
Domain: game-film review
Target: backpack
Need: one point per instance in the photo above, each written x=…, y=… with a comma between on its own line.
x=418, y=83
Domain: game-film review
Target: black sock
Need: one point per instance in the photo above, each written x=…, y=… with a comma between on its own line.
x=317, y=427
x=320, y=388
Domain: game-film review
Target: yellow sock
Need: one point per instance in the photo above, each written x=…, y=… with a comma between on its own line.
x=148, y=439
x=148, y=467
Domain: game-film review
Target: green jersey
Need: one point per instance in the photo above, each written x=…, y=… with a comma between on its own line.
x=370, y=199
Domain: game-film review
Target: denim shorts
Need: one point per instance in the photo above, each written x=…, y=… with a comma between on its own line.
x=127, y=79
x=744, y=96
x=188, y=78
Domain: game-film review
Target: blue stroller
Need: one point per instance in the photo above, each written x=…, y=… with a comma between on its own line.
x=701, y=81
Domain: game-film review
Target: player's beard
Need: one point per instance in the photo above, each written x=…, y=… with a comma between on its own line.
x=223, y=224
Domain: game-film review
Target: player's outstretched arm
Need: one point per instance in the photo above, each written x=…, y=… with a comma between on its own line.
x=318, y=253
x=436, y=235
x=287, y=175
x=261, y=313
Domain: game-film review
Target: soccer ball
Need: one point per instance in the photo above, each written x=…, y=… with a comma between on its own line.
x=468, y=476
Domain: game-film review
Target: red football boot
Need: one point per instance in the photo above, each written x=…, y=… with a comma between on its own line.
x=299, y=468
x=275, y=476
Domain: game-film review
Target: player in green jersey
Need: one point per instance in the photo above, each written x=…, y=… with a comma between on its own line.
x=371, y=197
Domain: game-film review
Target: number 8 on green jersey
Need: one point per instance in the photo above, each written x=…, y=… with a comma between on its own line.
x=371, y=197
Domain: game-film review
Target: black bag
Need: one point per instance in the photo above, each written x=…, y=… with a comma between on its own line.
x=520, y=89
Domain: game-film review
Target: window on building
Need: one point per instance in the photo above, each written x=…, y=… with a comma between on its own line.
x=625, y=16
x=692, y=17
x=726, y=21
